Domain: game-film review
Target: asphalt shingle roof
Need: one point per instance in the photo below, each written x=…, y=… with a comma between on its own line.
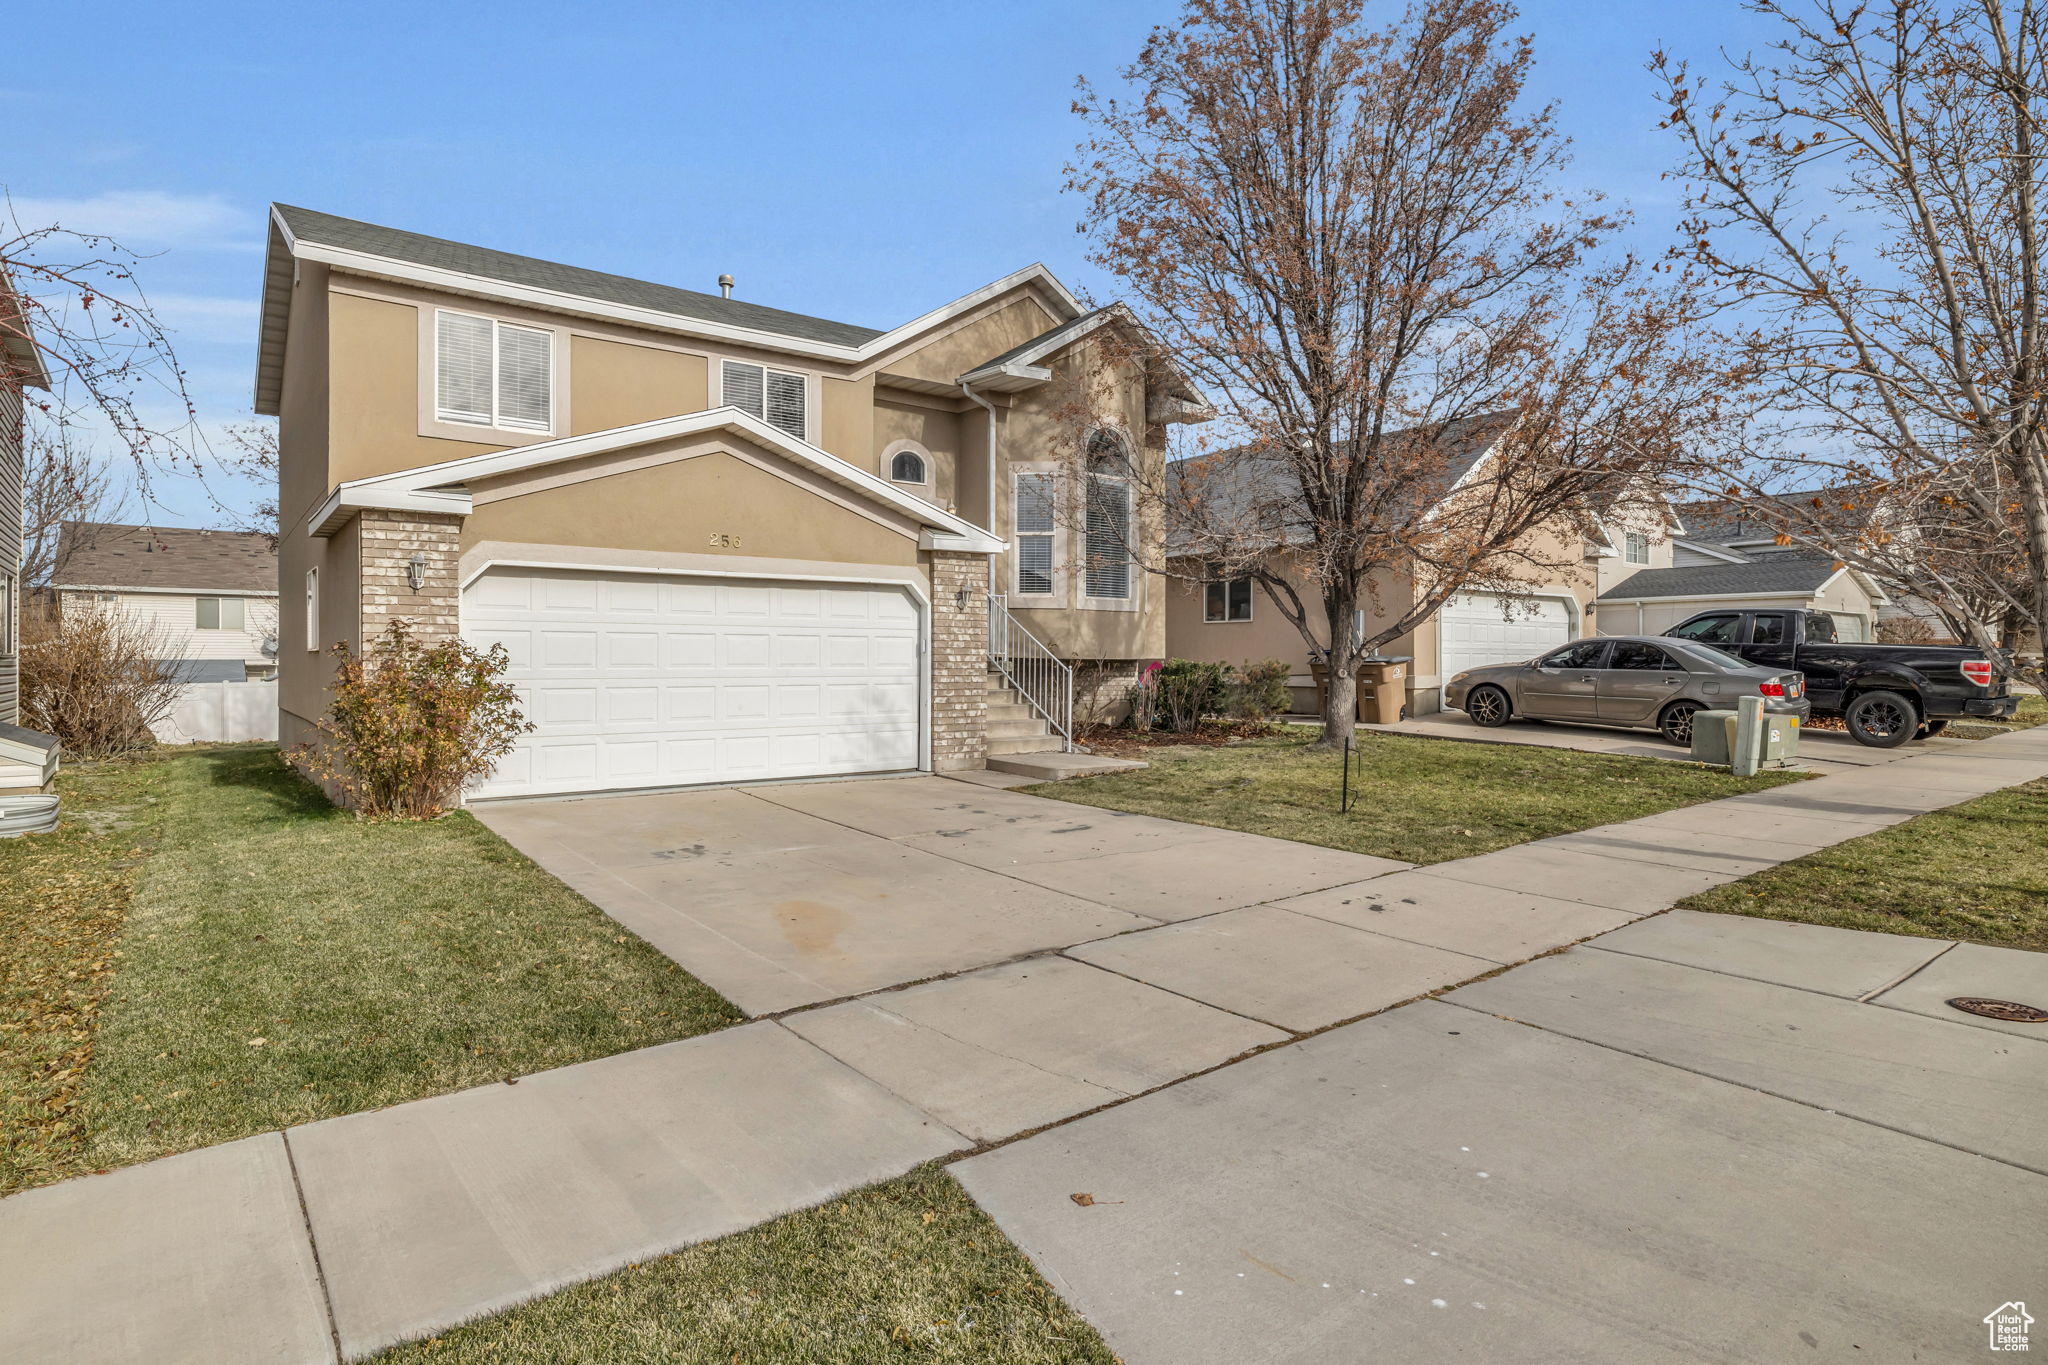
x=309, y=225
x=107, y=555
x=1778, y=573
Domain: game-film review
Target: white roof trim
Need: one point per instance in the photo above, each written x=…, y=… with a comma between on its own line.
x=1712, y=551
x=365, y=263
x=1719, y=597
x=143, y=591
x=433, y=488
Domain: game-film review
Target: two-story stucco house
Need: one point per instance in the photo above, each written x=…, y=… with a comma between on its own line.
x=720, y=542
x=1232, y=621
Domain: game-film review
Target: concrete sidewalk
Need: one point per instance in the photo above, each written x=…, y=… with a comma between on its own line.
x=341, y=1237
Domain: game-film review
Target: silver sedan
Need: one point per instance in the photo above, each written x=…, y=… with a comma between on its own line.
x=1634, y=681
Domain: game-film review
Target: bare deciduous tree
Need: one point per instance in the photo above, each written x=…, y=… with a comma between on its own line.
x=1869, y=192
x=63, y=480
x=71, y=308
x=1348, y=235
x=252, y=454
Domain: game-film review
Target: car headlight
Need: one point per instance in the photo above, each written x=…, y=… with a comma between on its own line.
x=1461, y=677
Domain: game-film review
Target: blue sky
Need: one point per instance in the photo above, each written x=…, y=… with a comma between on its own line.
x=862, y=162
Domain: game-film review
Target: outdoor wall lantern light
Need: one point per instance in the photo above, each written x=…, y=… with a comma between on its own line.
x=416, y=571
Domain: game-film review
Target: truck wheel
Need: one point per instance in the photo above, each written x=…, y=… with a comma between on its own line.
x=1882, y=720
x=1488, y=706
x=1930, y=728
x=1676, y=722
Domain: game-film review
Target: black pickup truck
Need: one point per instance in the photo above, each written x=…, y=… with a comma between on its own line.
x=1885, y=694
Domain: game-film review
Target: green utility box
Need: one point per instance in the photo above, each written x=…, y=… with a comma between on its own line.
x=1713, y=739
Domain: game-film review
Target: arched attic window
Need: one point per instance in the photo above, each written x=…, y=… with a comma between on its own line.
x=907, y=466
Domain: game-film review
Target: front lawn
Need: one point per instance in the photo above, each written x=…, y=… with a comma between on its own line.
x=1418, y=800
x=907, y=1270
x=1977, y=871
x=209, y=949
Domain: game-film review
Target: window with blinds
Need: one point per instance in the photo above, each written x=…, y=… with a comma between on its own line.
x=1109, y=532
x=494, y=374
x=1036, y=529
x=775, y=396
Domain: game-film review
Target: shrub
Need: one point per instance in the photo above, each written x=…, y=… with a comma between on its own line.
x=1188, y=691
x=1907, y=630
x=95, y=677
x=1145, y=698
x=1258, y=692
x=412, y=724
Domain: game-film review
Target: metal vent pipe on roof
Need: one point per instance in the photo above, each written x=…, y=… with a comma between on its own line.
x=725, y=286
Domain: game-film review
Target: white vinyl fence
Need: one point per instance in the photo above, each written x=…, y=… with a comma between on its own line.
x=221, y=713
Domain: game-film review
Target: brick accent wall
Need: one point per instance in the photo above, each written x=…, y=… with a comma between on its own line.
x=388, y=541
x=1102, y=690
x=959, y=661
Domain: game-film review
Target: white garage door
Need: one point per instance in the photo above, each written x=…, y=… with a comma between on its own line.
x=1477, y=630
x=639, y=680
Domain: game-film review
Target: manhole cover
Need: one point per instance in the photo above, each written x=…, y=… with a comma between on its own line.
x=2012, y=1011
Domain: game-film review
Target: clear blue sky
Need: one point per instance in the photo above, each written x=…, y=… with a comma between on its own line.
x=862, y=162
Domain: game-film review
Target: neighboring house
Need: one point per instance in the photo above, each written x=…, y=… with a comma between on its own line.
x=207, y=598
x=1721, y=560
x=718, y=541
x=1220, y=621
x=28, y=758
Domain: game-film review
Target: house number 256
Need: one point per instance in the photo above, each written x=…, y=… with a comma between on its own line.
x=721, y=541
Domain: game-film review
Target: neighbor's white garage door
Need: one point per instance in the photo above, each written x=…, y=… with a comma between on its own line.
x=1477, y=630
x=649, y=681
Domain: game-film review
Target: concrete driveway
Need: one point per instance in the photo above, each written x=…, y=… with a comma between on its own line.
x=791, y=895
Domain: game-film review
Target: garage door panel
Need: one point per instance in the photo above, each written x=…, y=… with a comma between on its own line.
x=634, y=680
x=1479, y=629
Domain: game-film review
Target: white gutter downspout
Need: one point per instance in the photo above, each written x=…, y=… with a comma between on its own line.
x=968, y=389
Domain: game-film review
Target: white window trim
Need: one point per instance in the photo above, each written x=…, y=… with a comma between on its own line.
x=1628, y=539
x=1251, y=601
x=220, y=602
x=431, y=423
x=8, y=607
x=811, y=387
x=1134, y=579
x=313, y=610
x=1061, y=535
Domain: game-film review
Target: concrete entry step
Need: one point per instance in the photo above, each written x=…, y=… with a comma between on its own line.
x=1054, y=765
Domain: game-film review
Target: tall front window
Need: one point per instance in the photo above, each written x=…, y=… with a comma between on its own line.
x=1635, y=548
x=1109, y=536
x=775, y=396
x=313, y=611
x=1037, y=529
x=493, y=374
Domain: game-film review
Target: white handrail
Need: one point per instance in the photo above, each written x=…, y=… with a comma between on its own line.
x=1038, y=675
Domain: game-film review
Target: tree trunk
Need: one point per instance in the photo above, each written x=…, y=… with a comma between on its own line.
x=1340, y=697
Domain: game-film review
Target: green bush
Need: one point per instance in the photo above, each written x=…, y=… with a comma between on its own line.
x=1258, y=692
x=1189, y=691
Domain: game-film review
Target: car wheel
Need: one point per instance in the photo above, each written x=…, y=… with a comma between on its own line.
x=1488, y=706
x=1676, y=722
x=1882, y=720
x=1930, y=728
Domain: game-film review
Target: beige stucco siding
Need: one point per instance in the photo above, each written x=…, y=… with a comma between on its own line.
x=954, y=352
x=711, y=503
x=616, y=383
x=846, y=420
x=901, y=423
x=375, y=393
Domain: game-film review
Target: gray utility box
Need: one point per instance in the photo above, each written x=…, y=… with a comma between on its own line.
x=1713, y=739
